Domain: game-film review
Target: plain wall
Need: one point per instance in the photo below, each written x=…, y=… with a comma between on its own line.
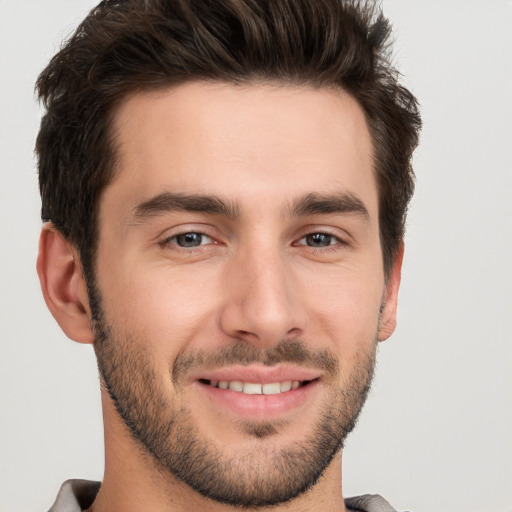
x=436, y=431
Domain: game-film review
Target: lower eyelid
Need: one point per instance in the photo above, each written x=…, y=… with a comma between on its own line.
x=205, y=239
x=337, y=240
x=171, y=240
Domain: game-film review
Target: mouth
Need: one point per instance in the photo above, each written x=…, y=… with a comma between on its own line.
x=261, y=395
x=254, y=388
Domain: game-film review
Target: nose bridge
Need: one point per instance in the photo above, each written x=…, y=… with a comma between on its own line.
x=262, y=304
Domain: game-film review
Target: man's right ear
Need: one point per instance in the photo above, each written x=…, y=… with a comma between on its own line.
x=63, y=284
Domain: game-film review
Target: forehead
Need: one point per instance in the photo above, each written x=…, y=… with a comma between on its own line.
x=244, y=143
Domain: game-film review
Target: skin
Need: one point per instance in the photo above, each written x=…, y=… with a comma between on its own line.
x=255, y=278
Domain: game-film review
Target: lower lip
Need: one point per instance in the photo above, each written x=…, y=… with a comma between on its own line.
x=261, y=407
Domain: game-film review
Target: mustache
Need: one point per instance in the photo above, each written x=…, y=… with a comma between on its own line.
x=243, y=353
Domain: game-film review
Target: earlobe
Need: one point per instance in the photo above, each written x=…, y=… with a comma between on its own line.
x=387, y=323
x=63, y=285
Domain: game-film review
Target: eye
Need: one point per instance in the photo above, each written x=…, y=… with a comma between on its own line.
x=319, y=240
x=189, y=240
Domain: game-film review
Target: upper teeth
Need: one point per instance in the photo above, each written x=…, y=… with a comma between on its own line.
x=251, y=388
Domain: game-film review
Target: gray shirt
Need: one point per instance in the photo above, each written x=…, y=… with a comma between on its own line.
x=78, y=495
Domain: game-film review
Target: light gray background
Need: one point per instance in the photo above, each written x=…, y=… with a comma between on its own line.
x=436, y=433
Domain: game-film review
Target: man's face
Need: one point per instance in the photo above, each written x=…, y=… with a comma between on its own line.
x=241, y=282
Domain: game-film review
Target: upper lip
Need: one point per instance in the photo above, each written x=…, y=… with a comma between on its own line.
x=258, y=374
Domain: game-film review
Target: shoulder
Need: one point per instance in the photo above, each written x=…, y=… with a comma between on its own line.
x=75, y=496
x=369, y=503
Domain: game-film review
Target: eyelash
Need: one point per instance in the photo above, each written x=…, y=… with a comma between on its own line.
x=331, y=247
x=328, y=248
x=168, y=242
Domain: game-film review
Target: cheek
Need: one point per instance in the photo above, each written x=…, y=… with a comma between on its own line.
x=345, y=307
x=160, y=307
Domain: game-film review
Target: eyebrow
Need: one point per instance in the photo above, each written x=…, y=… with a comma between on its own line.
x=175, y=202
x=315, y=204
x=310, y=204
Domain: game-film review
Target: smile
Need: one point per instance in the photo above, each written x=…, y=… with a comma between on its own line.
x=260, y=394
x=251, y=388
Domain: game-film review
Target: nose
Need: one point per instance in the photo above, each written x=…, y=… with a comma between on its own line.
x=262, y=304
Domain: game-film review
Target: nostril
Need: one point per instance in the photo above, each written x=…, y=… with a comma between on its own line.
x=294, y=332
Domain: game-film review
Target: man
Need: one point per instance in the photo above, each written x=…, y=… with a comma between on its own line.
x=224, y=190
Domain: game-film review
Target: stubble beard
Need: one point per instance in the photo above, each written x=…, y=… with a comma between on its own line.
x=271, y=474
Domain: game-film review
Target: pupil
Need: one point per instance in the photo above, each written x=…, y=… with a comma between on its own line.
x=189, y=239
x=319, y=240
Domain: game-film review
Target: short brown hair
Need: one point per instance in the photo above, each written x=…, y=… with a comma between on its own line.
x=125, y=46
